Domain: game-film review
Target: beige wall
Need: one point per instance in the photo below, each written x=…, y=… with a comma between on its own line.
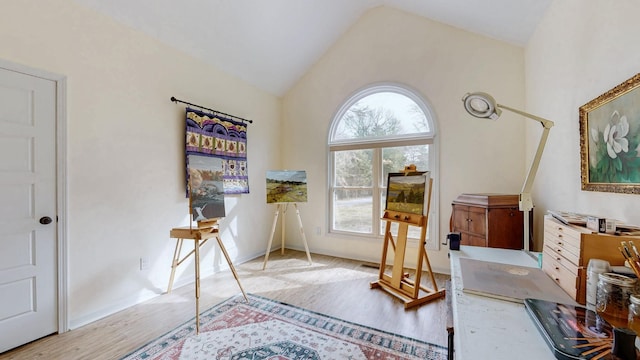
x=121, y=125
x=125, y=149
x=579, y=51
x=441, y=63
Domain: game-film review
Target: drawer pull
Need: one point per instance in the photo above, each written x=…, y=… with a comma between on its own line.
x=558, y=258
x=560, y=243
x=560, y=236
x=557, y=280
x=559, y=250
x=557, y=268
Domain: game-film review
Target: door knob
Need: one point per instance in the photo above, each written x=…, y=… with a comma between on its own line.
x=45, y=220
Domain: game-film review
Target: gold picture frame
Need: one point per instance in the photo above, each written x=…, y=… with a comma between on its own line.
x=610, y=140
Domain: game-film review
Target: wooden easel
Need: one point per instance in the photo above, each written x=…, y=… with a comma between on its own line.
x=282, y=207
x=205, y=230
x=398, y=283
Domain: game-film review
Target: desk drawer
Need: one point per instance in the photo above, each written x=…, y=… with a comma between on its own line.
x=562, y=233
x=549, y=255
x=571, y=254
x=564, y=277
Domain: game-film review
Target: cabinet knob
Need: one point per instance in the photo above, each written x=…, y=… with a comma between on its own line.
x=557, y=268
x=558, y=258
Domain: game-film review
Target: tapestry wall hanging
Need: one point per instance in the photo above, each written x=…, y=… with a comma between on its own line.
x=216, y=136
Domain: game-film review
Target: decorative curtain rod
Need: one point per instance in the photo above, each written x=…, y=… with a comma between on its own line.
x=173, y=99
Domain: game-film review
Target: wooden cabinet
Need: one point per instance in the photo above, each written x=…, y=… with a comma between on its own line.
x=488, y=220
x=568, y=249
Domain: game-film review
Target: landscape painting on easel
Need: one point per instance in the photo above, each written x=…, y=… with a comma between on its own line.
x=406, y=193
x=207, y=193
x=285, y=186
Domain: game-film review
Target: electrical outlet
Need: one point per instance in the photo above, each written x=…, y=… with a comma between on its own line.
x=144, y=263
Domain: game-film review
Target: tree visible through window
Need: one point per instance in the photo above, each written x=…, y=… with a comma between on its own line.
x=377, y=131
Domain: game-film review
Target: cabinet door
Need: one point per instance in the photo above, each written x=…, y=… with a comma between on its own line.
x=460, y=218
x=477, y=221
x=505, y=228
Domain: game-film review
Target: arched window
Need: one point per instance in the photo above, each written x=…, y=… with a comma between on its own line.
x=379, y=130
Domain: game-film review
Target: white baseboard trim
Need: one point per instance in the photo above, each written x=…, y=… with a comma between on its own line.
x=146, y=295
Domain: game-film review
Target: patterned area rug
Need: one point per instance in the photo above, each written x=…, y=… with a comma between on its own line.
x=270, y=330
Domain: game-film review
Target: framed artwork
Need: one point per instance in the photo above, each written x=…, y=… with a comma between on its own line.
x=406, y=193
x=205, y=187
x=610, y=140
x=285, y=186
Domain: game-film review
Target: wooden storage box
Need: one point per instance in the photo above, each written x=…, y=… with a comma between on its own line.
x=568, y=249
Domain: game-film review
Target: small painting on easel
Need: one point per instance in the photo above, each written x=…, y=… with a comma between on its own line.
x=205, y=181
x=284, y=186
x=406, y=193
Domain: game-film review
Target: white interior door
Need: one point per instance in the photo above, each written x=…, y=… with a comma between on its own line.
x=28, y=243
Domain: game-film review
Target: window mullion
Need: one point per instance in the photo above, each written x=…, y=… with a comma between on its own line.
x=375, y=194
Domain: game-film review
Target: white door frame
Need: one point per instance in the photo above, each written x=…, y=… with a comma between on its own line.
x=61, y=182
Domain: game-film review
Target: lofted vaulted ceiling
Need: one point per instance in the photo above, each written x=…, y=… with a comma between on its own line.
x=272, y=43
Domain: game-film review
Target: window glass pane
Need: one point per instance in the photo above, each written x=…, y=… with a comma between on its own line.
x=413, y=233
x=395, y=159
x=353, y=168
x=352, y=210
x=379, y=115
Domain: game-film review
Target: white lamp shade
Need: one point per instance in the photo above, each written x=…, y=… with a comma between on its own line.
x=481, y=105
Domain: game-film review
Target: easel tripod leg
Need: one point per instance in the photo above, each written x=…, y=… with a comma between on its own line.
x=273, y=231
x=284, y=227
x=233, y=269
x=197, y=265
x=433, y=279
x=304, y=237
x=174, y=264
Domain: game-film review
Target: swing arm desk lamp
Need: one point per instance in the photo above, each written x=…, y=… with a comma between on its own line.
x=483, y=105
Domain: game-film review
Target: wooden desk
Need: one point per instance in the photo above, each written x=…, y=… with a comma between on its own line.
x=199, y=237
x=487, y=328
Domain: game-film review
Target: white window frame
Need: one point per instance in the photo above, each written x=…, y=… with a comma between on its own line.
x=426, y=138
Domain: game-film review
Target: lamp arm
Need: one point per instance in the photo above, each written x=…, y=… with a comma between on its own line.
x=547, y=124
x=526, y=202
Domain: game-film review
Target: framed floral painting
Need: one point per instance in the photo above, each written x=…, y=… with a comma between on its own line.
x=610, y=140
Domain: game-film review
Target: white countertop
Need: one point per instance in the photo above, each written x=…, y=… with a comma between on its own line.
x=488, y=328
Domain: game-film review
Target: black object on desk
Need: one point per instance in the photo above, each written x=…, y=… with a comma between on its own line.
x=454, y=240
x=624, y=345
x=572, y=332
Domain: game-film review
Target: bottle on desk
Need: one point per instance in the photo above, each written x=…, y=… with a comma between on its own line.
x=594, y=269
x=613, y=298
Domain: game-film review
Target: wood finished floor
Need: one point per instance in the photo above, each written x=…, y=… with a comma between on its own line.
x=332, y=286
